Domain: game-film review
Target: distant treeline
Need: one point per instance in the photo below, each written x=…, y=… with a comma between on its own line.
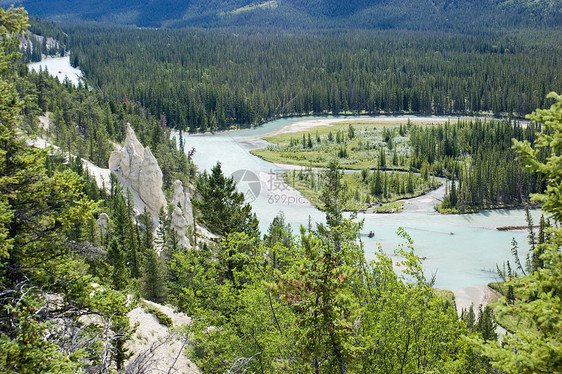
x=218, y=79
x=442, y=15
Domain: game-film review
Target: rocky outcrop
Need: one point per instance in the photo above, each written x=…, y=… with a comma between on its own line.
x=157, y=348
x=182, y=217
x=183, y=200
x=102, y=222
x=180, y=226
x=138, y=166
x=150, y=182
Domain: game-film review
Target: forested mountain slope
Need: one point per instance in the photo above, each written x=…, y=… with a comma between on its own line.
x=414, y=14
x=218, y=79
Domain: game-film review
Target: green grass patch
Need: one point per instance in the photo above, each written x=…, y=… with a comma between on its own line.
x=354, y=146
x=162, y=317
x=379, y=191
x=393, y=207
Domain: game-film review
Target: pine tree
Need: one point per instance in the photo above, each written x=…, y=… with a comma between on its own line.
x=453, y=198
x=278, y=239
x=116, y=258
x=333, y=194
x=154, y=278
x=220, y=207
x=468, y=317
x=486, y=324
x=382, y=158
x=538, y=339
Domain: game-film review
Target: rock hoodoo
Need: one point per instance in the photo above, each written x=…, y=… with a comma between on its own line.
x=138, y=166
x=182, y=199
x=182, y=217
x=102, y=222
x=180, y=225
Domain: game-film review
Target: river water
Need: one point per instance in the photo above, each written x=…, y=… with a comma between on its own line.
x=58, y=67
x=460, y=250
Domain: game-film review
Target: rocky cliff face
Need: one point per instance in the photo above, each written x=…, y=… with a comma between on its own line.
x=138, y=166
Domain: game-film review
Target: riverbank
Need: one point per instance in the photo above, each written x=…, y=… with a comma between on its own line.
x=466, y=258
x=309, y=124
x=476, y=295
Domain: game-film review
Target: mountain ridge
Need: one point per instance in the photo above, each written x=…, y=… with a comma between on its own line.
x=404, y=14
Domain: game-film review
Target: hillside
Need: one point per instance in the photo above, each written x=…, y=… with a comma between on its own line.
x=409, y=14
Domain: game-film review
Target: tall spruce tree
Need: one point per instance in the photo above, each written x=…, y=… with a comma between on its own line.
x=119, y=273
x=220, y=207
x=154, y=278
x=535, y=345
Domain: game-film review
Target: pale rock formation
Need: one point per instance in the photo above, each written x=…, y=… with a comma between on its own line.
x=150, y=182
x=102, y=222
x=180, y=225
x=181, y=198
x=138, y=166
x=130, y=156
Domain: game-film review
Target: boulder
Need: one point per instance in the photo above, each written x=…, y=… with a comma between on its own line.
x=102, y=222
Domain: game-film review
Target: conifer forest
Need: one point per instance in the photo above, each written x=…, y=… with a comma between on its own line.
x=380, y=107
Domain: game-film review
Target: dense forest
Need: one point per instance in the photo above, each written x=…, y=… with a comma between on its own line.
x=478, y=158
x=211, y=80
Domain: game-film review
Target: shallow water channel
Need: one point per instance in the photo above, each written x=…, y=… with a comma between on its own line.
x=461, y=250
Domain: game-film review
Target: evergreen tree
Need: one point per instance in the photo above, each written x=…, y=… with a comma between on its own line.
x=278, y=241
x=333, y=194
x=468, y=317
x=220, y=207
x=154, y=278
x=537, y=339
x=318, y=292
x=486, y=324
x=453, y=199
x=120, y=273
x=146, y=225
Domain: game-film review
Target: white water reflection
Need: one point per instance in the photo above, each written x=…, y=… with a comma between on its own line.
x=58, y=67
x=462, y=250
